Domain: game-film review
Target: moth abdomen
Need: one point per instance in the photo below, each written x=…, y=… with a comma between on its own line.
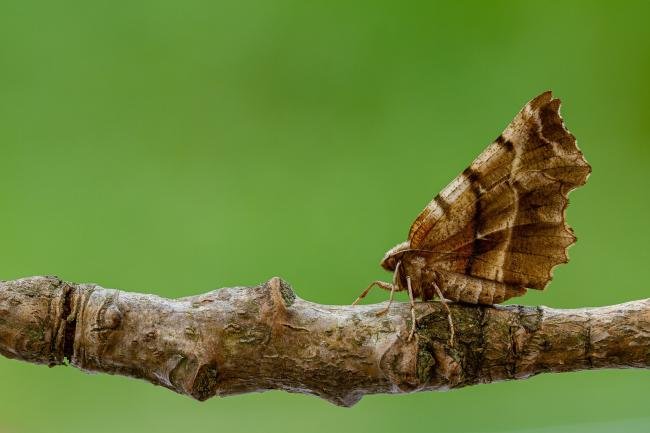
x=465, y=288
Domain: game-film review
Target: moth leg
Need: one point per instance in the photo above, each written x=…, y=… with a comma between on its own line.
x=395, y=287
x=410, y=289
x=444, y=304
x=383, y=311
x=384, y=285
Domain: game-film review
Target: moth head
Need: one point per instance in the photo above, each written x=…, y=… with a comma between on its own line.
x=394, y=255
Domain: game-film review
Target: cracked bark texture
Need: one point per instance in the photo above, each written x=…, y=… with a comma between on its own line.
x=251, y=339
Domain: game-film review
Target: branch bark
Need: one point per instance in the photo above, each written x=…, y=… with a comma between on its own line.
x=249, y=339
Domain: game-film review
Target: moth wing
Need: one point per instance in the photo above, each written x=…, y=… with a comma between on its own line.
x=503, y=218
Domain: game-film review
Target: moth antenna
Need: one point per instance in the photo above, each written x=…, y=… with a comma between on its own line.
x=423, y=250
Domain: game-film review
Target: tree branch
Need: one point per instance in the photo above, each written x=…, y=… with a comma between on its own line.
x=248, y=339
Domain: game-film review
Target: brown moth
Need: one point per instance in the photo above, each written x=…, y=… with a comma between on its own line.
x=499, y=227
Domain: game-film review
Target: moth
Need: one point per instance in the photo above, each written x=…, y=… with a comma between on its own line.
x=499, y=227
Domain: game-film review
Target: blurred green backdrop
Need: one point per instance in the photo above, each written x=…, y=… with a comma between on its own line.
x=175, y=147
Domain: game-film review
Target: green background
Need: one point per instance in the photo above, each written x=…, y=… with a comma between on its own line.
x=176, y=147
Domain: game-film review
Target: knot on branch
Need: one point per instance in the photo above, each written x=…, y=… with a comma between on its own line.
x=281, y=292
